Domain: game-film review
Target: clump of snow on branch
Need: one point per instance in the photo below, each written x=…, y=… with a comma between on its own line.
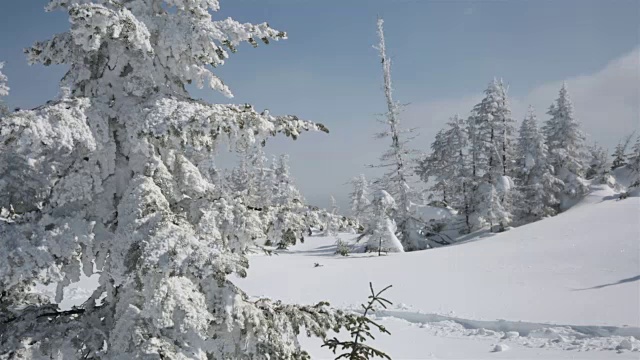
x=4, y=88
x=4, y=91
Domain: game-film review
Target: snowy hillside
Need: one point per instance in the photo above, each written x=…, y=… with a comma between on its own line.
x=568, y=283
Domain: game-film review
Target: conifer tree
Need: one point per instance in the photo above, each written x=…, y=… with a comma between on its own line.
x=239, y=180
x=396, y=180
x=360, y=198
x=381, y=228
x=253, y=178
x=359, y=328
x=331, y=223
x=285, y=193
x=492, y=155
x=599, y=169
x=565, y=142
x=534, y=176
x=492, y=209
x=114, y=179
x=494, y=132
x=287, y=212
x=634, y=163
x=262, y=178
x=620, y=153
x=447, y=163
x=435, y=167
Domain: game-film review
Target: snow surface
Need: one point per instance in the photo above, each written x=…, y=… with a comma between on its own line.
x=566, y=287
x=563, y=287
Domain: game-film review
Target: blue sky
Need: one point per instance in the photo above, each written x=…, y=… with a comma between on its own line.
x=444, y=53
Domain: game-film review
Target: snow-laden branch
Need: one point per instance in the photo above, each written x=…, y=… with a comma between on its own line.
x=116, y=179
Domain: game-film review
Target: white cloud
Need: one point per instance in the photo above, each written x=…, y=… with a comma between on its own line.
x=607, y=103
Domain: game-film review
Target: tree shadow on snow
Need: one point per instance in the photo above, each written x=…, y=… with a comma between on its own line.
x=631, y=279
x=326, y=250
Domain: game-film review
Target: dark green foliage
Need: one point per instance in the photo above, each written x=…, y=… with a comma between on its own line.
x=288, y=239
x=360, y=328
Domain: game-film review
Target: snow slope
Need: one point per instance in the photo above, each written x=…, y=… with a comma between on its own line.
x=571, y=282
x=567, y=287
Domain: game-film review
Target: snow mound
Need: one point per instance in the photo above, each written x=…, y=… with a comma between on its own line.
x=500, y=348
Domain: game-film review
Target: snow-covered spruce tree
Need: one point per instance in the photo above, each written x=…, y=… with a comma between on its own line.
x=434, y=168
x=491, y=209
x=620, y=153
x=114, y=180
x=565, y=142
x=599, y=167
x=262, y=177
x=239, y=179
x=534, y=176
x=449, y=162
x=381, y=229
x=460, y=170
x=492, y=155
x=360, y=198
x=286, y=220
x=634, y=163
x=446, y=165
x=396, y=180
x=285, y=193
x=494, y=132
x=4, y=91
x=331, y=219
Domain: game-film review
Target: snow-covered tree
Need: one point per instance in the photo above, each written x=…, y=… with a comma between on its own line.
x=634, y=163
x=262, y=178
x=434, y=167
x=494, y=132
x=491, y=209
x=536, y=183
x=447, y=164
x=114, y=180
x=331, y=219
x=565, y=142
x=239, y=180
x=285, y=193
x=360, y=198
x=620, y=153
x=286, y=214
x=634, y=157
x=599, y=168
x=381, y=230
x=492, y=158
x=396, y=180
x=4, y=91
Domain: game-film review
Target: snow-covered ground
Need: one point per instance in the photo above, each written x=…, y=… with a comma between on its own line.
x=564, y=287
x=567, y=287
